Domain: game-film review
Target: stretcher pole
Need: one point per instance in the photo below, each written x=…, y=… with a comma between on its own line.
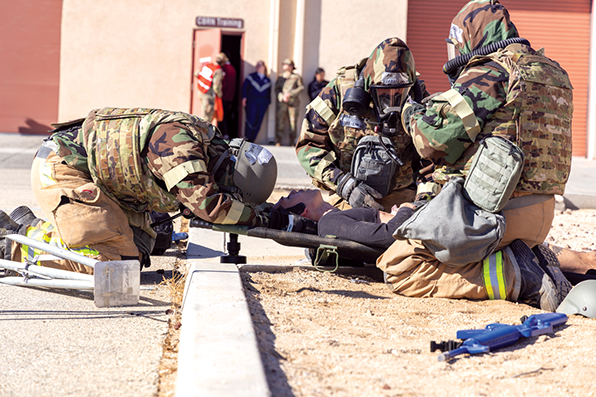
x=114, y=283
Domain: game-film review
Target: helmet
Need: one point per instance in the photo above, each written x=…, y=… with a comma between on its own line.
x=255, y=171
x=290, y=62
x=388, y=74
x=478, y=24
x=580, y=300
x=221, y=58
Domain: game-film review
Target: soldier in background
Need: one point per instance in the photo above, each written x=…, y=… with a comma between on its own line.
x=288, y=87
x=500, y=87
x=363, y=100
x=210, y=84
x=98, y=178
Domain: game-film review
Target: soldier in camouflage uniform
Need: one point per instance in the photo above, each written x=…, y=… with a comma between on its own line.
x=287, y=89
x=331, y=132
x=98, y=178
x=501, y=87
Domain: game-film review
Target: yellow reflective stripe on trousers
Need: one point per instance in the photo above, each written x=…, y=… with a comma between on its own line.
x=178, y=173
x=464, y=111
x=41, y=234
x=494, y=279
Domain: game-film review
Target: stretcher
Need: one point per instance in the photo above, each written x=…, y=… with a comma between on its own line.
x=326, y=252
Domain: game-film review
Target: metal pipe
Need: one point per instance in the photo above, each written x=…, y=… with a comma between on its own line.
x=52, y=249
x=45, y=271
x=36, y=282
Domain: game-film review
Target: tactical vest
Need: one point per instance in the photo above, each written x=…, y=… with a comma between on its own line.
x=346, y=130
x=536, y=116
x=205, y=77
x=114, y=140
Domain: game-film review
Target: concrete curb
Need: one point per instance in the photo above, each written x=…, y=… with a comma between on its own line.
x=218, y=353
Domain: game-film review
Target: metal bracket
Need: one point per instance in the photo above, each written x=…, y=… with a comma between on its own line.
x=324, y=253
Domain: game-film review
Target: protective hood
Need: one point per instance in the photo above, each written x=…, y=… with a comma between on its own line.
x=481, y=23
x=391, y=62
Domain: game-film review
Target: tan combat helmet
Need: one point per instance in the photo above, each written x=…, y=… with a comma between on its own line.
x=580, y=300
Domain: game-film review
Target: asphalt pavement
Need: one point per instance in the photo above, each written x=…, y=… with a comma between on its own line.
x=59, y=343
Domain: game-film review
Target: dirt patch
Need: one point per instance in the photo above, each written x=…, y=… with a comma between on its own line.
x=340, y=335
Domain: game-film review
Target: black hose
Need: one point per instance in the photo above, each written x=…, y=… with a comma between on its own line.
x=462, y=60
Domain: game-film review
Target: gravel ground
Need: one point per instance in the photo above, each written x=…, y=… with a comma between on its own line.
x=323, y=334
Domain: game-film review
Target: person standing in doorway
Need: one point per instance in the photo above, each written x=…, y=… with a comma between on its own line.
x=228, y=93
x=287, y=88
x=209, y=81
x=256, y=97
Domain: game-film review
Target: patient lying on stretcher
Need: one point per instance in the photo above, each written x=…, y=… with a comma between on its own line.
x=375, y=228
x=364, y=225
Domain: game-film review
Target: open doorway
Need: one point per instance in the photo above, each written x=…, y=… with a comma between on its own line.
x=207, y=44
x=231, y=45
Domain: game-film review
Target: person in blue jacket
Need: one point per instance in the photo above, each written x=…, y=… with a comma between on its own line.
x=256, y=97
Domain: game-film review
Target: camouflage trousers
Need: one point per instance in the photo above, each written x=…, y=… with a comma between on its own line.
x=412, y=270
x=286, y=114
x=83, y=217
x=208, y=103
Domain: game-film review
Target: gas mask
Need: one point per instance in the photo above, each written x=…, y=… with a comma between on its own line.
x=387, y=99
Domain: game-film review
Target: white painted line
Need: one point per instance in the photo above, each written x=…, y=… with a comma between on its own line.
x=218, y=352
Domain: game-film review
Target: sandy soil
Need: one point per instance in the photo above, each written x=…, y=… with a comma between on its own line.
x=323, y=334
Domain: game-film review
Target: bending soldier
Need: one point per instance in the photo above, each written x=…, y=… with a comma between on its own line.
x=97, y=179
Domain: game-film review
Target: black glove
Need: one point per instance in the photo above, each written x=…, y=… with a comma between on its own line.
x=357, y=193
x=289, y=219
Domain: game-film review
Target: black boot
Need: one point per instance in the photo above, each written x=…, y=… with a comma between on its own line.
x=24, y=216
x=7, y=226
x=550, y=264
x=537, y=288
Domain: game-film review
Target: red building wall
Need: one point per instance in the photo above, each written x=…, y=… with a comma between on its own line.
x=29, y=65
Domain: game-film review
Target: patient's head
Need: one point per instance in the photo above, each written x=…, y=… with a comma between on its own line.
x=311, y=198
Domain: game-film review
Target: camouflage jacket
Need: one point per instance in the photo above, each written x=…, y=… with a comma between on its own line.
x=517, y=93
x=150, y=159
x=289, y=82
x=329, y=136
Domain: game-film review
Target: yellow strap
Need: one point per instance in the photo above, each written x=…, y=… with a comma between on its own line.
x=323, y=110
x=178, y=173
x=234, y=214
x=494, y=278
x=464, y=111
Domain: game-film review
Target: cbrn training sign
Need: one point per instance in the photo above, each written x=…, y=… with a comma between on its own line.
x=216, y=22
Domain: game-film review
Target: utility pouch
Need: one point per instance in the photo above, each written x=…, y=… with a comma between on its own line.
x=494, y=173
x=374, y=162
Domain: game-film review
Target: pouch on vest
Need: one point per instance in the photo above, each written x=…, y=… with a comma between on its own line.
x=494, y=173
x=373, y=162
